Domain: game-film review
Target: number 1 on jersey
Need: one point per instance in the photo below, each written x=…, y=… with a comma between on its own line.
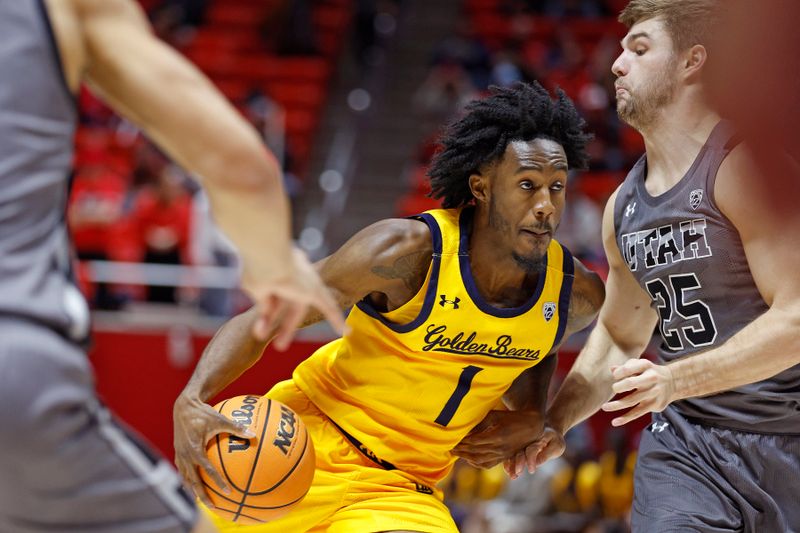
x=464, y=384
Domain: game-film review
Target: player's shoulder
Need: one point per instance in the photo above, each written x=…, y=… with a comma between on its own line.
x=395, y=238
x=588, y=295
x=755, y=179
x=588, y=286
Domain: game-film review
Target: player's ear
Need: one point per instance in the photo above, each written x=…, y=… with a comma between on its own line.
x=693, y=61
x=479, y=185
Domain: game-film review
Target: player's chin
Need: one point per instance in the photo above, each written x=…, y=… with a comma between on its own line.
x=531, y=260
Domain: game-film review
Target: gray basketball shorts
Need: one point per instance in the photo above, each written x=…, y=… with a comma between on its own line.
x=66, y=464
x=693, y=477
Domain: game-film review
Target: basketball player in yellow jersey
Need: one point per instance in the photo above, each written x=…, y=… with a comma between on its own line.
x=454, y=312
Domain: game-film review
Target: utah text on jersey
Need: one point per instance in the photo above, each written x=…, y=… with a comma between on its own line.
x=671, y=243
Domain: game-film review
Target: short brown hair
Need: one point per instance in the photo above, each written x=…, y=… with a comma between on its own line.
x=688, y=22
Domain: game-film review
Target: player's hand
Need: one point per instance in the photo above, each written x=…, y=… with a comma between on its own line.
x=282, y=302
x=195, y=424
x=650, y=387
x=549, y=446
x=499, y=436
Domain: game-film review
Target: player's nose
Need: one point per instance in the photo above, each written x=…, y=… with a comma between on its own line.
x=620, y=66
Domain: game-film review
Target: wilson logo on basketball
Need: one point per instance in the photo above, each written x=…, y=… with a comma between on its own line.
x=244, y=416
x=286, y=431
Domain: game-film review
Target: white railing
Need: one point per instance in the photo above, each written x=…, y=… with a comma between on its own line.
x=208, y=277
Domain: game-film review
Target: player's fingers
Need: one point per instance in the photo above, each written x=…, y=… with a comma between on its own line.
x=481, y=426
x=295, y=313
x=630, y=368
x=484, y=438
x=552, y=450
x=465, y=453
x=223, y=424
x=519, y=463
x=318, y=296
x=200, y=491
x=633, y=414
x=267, y=312
x=479, y=457
x=531, y=456
x=192, y=479
x=330, y=309
x=623, y=403
x=215, y=476
x=508, y=467
x=639, y=381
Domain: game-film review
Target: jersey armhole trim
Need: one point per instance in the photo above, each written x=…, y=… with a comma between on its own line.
x=565, y=295
x=711, y=179
x=436, y=234
x=62, y=76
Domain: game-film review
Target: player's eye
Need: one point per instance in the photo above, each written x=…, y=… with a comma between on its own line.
x=558, y=186
x=526, y=185
x=640, y=51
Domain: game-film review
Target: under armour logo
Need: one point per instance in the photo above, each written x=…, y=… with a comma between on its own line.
x=630, y=208
x=695, y=197
x=444, y=301
x=658, y=427
x=424, y=489
x=549, y=310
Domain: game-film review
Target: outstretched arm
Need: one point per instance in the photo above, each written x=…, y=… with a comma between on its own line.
x=769, y=225
x=386, y=261
x=109, y=45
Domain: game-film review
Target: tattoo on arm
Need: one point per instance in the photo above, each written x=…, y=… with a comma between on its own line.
x=405, y=268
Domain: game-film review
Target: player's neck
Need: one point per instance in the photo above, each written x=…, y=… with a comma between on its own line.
x=674, y=141
x=496, y=274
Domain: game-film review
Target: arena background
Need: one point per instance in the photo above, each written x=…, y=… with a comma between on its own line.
x=350, y=94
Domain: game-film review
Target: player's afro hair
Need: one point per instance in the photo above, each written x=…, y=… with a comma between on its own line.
x=523, y=112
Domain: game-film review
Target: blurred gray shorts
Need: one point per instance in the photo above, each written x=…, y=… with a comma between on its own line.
x=67, y=465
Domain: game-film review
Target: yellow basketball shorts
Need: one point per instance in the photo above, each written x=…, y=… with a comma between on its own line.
x=350, y=493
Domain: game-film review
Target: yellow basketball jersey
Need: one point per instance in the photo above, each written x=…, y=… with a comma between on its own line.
x=411, y=383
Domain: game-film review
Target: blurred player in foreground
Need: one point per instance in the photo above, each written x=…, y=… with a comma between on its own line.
x=66, y=464
x=453, y=312
x=703, y=244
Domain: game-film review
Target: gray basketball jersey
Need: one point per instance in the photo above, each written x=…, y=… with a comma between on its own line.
x=37, y=124
x=689, y=258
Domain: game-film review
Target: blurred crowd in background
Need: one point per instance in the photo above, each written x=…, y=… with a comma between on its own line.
x=273, y=59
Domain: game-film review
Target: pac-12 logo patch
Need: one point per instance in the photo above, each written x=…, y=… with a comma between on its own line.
x=695, y=197
x=549, y=310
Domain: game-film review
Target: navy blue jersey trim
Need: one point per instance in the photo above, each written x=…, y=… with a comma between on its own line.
x=427, y=305
x=56, y=52
x=366, y=452
x=565, y=295
x=469, y=282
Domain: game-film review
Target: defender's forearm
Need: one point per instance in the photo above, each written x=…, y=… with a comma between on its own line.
x=588, y=384
x=762, y=349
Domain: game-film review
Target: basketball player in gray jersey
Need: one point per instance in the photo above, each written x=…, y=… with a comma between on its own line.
x=65, y=464
x=705, y=247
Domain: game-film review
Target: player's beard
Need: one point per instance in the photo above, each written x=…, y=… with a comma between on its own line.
x=641, y=107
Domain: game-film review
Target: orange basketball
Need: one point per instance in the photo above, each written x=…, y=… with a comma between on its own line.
x=268, y=474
